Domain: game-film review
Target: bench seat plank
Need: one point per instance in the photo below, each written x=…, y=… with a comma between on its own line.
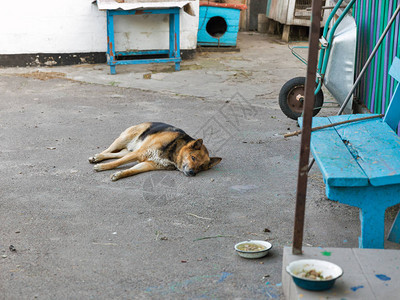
x=337, y=165
x=374, y=145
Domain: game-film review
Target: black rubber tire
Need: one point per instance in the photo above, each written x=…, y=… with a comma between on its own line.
x=287, y=98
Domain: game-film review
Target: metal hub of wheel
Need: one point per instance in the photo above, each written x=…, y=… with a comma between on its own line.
x=295, y=98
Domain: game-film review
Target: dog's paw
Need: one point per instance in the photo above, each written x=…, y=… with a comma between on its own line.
x=116, y=176
x=93, y=159
x=98, y=167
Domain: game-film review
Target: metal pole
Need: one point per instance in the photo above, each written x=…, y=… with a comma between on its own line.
x=306, y=129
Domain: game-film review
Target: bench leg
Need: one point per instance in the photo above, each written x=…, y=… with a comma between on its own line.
x=372, y=202
x=394, y=234
x=372, y=228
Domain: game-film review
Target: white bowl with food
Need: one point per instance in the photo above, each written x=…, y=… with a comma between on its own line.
x=314, y=274
x=253, y=248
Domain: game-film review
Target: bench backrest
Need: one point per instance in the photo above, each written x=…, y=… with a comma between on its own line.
x=392, y=117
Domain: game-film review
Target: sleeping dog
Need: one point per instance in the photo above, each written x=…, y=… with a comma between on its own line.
x=155, y=146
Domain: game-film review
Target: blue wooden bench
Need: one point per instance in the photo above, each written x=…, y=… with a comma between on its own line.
x=360, y=164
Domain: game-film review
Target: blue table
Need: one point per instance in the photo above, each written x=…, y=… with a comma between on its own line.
x=174, y=40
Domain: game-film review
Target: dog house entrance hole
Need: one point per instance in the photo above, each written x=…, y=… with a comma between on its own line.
x=216, y=27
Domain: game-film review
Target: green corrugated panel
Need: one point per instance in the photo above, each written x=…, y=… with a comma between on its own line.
x=371, y=31
x=372, y=16
x=391, y=50
x=380, y=58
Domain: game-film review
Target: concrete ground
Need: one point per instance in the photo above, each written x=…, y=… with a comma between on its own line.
x=78, y=235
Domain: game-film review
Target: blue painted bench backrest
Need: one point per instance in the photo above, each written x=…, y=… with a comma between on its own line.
x=392, y=116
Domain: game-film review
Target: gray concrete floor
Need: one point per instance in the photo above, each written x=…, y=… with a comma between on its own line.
x=79, y=235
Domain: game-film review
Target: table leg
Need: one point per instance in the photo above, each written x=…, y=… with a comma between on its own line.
x=174, y=41
x=110, y=42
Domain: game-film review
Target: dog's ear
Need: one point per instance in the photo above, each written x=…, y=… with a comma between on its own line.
x=197, y=144
x=213, y=162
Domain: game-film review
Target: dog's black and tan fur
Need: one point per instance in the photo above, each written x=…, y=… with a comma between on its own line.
x=155, y=146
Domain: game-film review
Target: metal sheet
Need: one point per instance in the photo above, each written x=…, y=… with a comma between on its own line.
x=140, y=4
x=339, y=76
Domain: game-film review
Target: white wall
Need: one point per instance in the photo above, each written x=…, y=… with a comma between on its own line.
x=72, y=26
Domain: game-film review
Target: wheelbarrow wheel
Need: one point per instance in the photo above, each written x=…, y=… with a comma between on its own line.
x=291, y=98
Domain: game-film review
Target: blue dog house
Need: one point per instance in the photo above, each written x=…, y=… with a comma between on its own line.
x=218, y=23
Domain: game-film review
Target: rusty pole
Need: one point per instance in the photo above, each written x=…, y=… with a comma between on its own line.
x=306, y=129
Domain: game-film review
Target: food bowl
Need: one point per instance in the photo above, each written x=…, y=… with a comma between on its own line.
x=253, y=248
x=314, y=274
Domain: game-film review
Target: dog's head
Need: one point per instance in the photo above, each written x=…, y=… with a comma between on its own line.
x=194, y=158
